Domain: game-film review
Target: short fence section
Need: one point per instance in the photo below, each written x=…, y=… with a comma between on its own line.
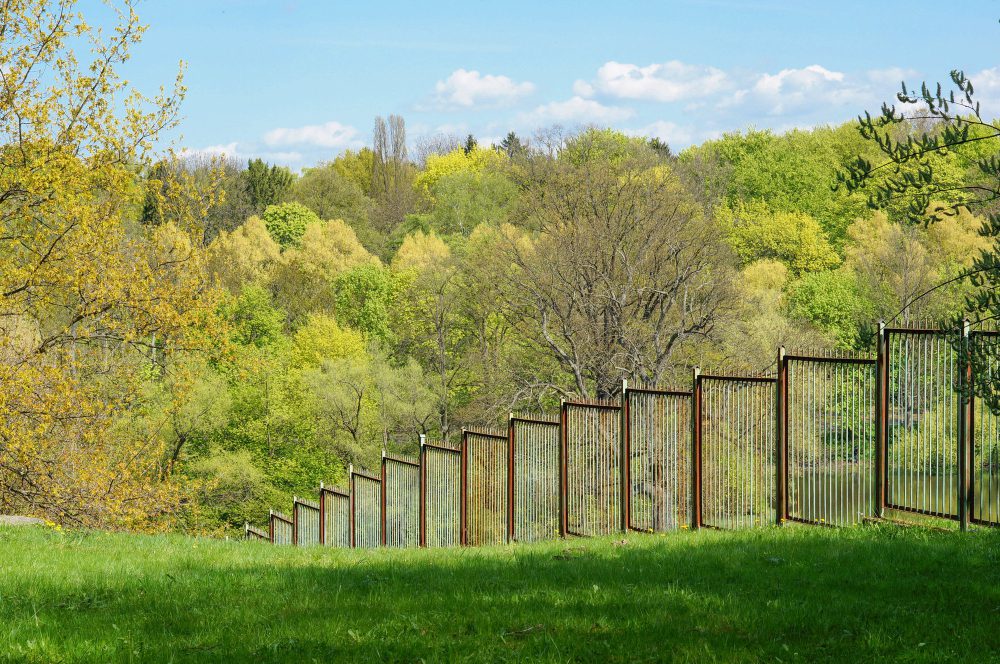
x=831, y=440
x=366, y=510
x=736, y=450
x=829, y=412
x=305, y=522
x=401, y=505
x=336, y=519
x=442, y=502
x=256, y=534
x=921, y=421
x=985, y=432
x=485, y=457
x=592, y=485
x=535, y=481
x=658, y=452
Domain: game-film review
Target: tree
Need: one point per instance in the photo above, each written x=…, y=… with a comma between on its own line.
x=470, y=144
x=330, y=195
x=89, y=303
x=247, y=255
x=512, y=146
x=625, y=267
x=392, y=173
x=265, y=185
x=287, y=222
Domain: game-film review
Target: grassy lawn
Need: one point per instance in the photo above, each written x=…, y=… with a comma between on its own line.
x=792, y=594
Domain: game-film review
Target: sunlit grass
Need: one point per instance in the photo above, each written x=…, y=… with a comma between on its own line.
x=791, y=594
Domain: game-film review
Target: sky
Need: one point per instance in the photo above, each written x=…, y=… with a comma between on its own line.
x=296, y=82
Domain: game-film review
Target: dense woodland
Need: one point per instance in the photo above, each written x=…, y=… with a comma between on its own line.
x=186, y=341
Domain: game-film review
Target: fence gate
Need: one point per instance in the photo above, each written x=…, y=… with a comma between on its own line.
x=735, y=442
x=305, y=517
x=401, y=502
x=985, y=432
x=441, y=495
x=535, y=479
x=280, y=529
x=591, y=482
x=922, y=409
x=335, y=517
x=485, y=487
x=828, y=416
x=658, y=450
x=366, y=510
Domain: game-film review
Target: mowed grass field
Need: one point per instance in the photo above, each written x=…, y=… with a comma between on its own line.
x=876, y=593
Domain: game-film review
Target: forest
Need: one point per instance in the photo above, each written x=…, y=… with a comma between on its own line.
x=185, y=341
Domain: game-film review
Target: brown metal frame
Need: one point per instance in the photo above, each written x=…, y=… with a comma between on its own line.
x=565, y=454
x=359, y=473
x=465, y=480
x=322, y=508
x=510, y=470
x=971, y=437
x=278, y=516
x=463, y=492
x=881, y=421
x=423, y=488
x=696, y=449
x=627, y=445
x=295, y=518
x=563, y=520
x=408, y=462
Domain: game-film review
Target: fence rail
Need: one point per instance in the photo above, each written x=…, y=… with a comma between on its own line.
x=828, y=440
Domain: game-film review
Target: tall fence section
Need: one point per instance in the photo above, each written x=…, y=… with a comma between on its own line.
x=828, y=440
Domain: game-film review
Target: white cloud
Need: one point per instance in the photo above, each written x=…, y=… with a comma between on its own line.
x=228, y=150
x=326, y=135
x=669, y=132
x=986, y=90
x=575, y=110
x=805, y=90
x=465, y=89
x=664, y=82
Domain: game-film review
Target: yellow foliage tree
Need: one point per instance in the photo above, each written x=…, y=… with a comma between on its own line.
x=438, y=166
x=89, y=305
x=247, y=255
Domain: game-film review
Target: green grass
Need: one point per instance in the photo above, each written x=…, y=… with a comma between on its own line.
x=878, y=593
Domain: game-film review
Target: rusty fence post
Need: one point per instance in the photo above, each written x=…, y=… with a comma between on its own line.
x=322, y=516
x=423, y=490
x=464, y=492
x=510, y=477
x=626, y=452
x=881, y=419
x=563, y=519
x=781, y=440
x=696, y=449
x=350, y=504
x=382, y=519
x=965, y=393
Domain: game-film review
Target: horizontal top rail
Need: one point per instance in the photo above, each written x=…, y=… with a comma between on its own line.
x=281, y=517
x=366, y=475
x=654, y=390
x=738, y=379
x=592, y=404
x=534, y=420
x=403, y=460
x=337, y=491
x=484, y=434
x=831, y=360
x=442, y=448
x=921, y=330
x=305, y=503
x=256, y=531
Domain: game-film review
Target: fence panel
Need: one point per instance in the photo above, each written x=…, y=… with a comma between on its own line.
x=281, y=529
x=486, y=464
x=829, y=439
x=442, y=468
x=985, y=433
x=658, y=444
x=401, y=480
x=922, y=412
x=737, y=448
x=592, y=468
x=336, y=506
x=366, y=496
x=256, y=534
x=535, y=510
x=305, y=517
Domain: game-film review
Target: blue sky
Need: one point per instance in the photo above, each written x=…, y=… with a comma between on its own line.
x=298, y=81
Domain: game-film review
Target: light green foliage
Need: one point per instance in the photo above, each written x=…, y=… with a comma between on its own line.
x=265, y=185
x=603, y=145
x=475, y=161
x=831, y=301
x=247, y=255
x=465, y=199
x=356, y=167
x=758, y=233
x=321, y=339
x=365, y=297
x=287, y=222
x=328, y=193
x=254, y=319
x=233, y=488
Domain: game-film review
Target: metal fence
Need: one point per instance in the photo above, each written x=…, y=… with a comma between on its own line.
x=828, y=440
x=400, y=502
x=534, y=509
x=441, y=490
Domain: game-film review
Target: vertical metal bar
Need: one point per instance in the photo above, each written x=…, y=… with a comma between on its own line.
x=881, y=420
x=510, y=477
x=423, y=491
x=781, y=440
x=964, y=424
x=350, y=504
x=463, y=492
x=382, y=499
x=626, y=463
x=696, y=448
x=563, y=495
